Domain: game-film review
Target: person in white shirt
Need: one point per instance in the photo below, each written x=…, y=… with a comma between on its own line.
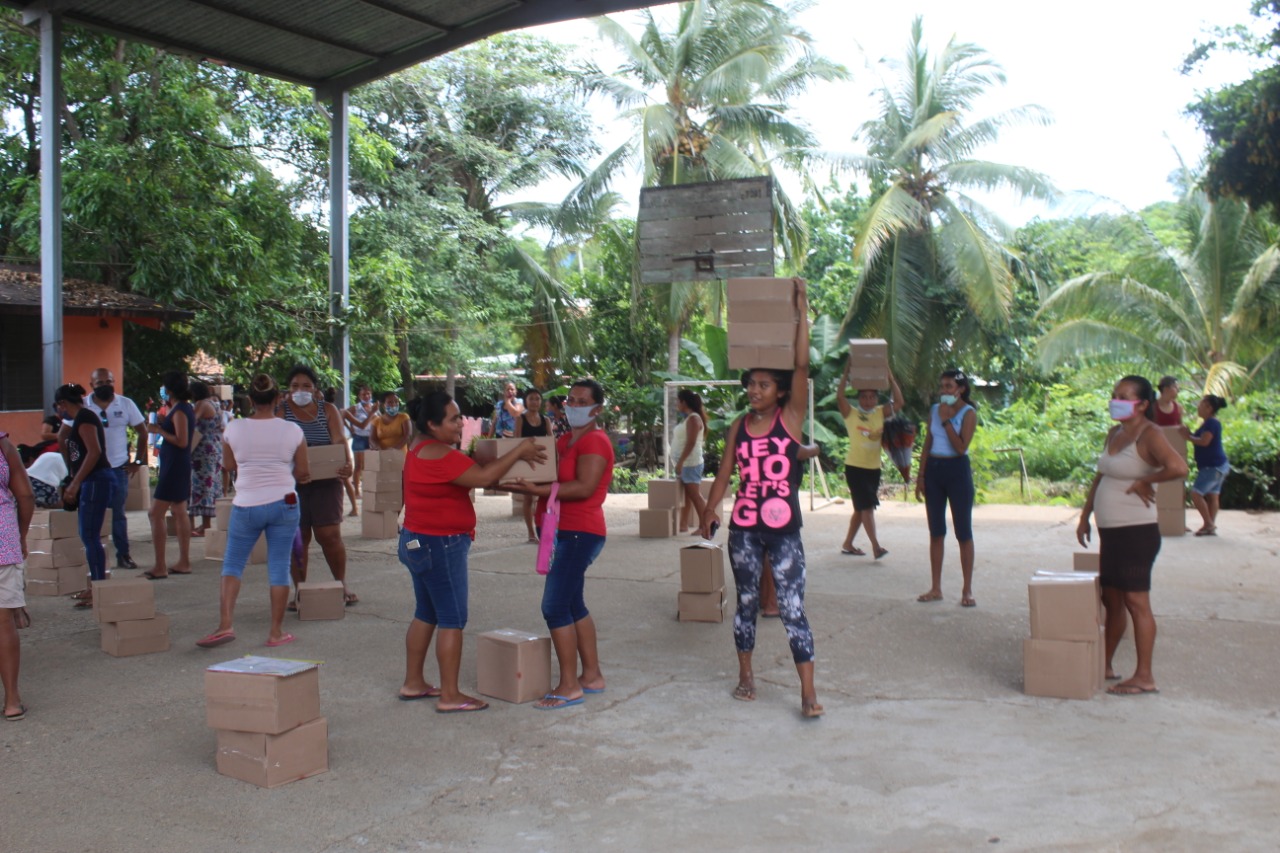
x=118, y=413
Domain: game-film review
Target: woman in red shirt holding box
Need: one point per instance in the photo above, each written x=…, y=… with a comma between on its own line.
x=439, y=526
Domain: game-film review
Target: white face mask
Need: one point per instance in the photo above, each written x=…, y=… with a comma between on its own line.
x=948, y=399
x=579, y=416
x=866, y=411
x=300, y=398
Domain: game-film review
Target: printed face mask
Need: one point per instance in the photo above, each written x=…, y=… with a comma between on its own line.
x=1122, y=410
x=300, y=398
x=579, y=416
x=948, y=399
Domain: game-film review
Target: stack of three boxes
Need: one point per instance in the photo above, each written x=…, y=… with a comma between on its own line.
x=1065, y=655
x=266, y=712
x=702, y=595
x=1171, y=495
x=126, y=609
x=382, y=494
x=55, y=556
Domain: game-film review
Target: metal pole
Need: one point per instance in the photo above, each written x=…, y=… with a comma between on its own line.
x=50, y=204
x=339, y=243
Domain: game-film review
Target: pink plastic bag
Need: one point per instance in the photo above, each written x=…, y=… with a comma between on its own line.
x=547, y=531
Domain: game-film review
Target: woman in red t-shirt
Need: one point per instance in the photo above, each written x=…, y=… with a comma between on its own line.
x=439, y=525
x=1168, y=412
x=584, y=472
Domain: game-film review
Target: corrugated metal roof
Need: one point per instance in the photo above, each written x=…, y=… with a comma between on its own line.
x=329, y=45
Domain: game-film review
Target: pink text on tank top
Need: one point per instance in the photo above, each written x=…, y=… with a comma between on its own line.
x=764, y=471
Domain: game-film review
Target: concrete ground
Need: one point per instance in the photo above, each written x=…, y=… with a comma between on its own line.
x=928, y=742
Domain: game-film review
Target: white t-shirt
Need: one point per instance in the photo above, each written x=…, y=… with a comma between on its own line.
x=264, y=450
x=120, y=413
x=48, y=468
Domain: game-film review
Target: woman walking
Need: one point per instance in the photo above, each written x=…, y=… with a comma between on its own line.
x=1212, y=467
x=16, y=505
x=865, y=425
x=687, y=448
x=206, y=458
x=93, y=483
x=532, y=424
x=947, y=478
x=173, y=489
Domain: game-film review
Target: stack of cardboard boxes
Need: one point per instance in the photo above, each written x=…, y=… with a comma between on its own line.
x=215, y=538
x=382, y=494
x=762, y=323
x=701, y=597
x=666, y=497
x=1171, y=495
x=869, y=363
x=266, y=712
x=126, y=609
x=55, y=556
x=513, y=666
x=139, y=495
x=1064, y=657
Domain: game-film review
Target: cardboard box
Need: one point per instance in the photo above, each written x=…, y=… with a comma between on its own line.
x=665, y=493
x=56, y=581
x=489, y=449
x=321, y=600
x=1172, y=522
x=325, y=460
x=1173, y=435
x=379, y=525
x=770, y=345
x=222, y=514
x=701, y=568
x=47, y=524
x=1061, y=669
x=383, y=460
x=761, y=300
x=382, y=501
x=261, y=694
x=1171, y=494
x=58, y=556
x=657, y=523
x=271, y=760
x=223, y=392
x=124, y=600
x=215, y=547
x=139, y=495
x=1085, y=561
x=868, y=352
x=700, y=606
x=136, y=637
x=513, y=665
x=1065, y=606
x=382, y=481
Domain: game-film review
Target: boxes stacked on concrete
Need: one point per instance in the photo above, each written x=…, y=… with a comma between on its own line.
x=126, y=609
x=382, y=494
x=139, y=494
x=215, y=539
x=762, y=322
x=702, y=596
x=55, y=559
x=1171, y=495
x=321, y=600
x=665, y=499
x=869, y=363
x=1064, y=657
x=266, y=712
x=514, y=666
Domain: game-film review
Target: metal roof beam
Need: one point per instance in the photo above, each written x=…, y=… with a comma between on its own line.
x=310, y=34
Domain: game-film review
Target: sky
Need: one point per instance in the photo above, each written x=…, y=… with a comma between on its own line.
x=1108, y=72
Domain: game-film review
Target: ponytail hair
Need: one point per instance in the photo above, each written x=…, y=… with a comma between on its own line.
x=1142, y=385
x=693, y=401
x=1215, y=402
x=263, y=390
x=428, y=411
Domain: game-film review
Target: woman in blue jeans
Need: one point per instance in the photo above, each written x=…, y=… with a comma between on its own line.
x=439, y=525
x=945, y=477
x=270, y=455
x=93, y=484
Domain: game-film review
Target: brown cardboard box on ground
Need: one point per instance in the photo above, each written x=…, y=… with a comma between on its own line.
x=215, y=547
x=56, y=553
x=379, y=525
x=139, y=495
x=59, y=581
x=1065, y=606
x=665, y=493
x=136, y=637
x=514, y=666
x=1173, y=435
x=1172, y=522
x=517, y=505
x=657, y=523
x=124, y=600
x=261, y=694
x=383, y=460
x=1171, y=494
x=321, y=600
x=382, y=481
x=489, y=449
x=1060, y=669
x=325, y=460
x=382, y=501
x=701, y=568
x=222, y=514
x=700, y=606
x=1085, y=561
x=47, y=524
x=271, y=760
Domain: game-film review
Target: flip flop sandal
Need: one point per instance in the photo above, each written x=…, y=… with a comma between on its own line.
x=853, y=552
x=212, y=641
x=469, y=705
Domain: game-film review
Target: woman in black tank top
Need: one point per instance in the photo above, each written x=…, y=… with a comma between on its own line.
x=533, y=423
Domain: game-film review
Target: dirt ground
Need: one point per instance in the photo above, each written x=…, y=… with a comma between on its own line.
x=928, y=742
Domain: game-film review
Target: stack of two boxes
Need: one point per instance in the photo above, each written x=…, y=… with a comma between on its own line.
x=701, y=597
x=55, y=556
x=1065, y=655
x=869, y=364
x=1171, y=495
x=215, y=538
x=381, y=494
x=266, y=712
x=126, y=609
x=762, y=323
x=666, y=498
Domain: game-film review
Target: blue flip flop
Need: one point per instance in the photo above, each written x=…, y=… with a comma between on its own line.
x=566, y=702
x=593, y=690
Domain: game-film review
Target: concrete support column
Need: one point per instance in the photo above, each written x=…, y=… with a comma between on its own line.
x=51, y=99
x=339, y=244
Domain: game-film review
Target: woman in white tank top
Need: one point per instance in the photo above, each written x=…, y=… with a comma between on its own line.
x=1134, y=458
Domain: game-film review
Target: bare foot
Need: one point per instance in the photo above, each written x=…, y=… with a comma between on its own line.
x=745, y=691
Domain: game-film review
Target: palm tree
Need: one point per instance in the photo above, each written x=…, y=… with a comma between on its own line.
x=1213, y=308
x=707, y=100
x=936, y=276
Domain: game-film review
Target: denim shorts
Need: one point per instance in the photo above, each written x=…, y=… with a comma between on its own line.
x=359, y=443
x=438, y=567
x=562, y=601
x=1209, y=480
x=692, y=473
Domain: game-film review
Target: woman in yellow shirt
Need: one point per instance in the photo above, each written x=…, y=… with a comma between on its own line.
x=865, y=423
x=390, y=429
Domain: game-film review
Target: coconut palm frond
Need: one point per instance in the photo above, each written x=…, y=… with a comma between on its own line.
x=896, y=211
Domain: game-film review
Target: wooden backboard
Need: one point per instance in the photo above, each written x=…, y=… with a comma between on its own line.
x=706, y=232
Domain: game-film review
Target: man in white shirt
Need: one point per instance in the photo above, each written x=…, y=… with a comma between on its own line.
x=118, y=414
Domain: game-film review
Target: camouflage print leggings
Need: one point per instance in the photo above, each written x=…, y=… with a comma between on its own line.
x=786, y=555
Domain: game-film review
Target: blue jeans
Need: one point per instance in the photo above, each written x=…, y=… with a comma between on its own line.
x=562, y=601
x=949, y=479
x=119, y=521
x=438, y=566
x=97, y=490
x=279, y=521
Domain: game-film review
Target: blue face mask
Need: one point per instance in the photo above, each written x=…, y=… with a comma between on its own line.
x=393, y=410
x=164, y=394
x=948, y=399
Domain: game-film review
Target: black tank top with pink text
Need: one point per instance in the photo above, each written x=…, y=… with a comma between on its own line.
x=768, y=498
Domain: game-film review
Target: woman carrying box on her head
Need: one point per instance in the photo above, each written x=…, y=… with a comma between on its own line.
x=764, y=445
x=439, y=526
x=865, y=424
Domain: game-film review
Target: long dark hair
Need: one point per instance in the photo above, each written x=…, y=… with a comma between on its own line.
x=1142, y=385
x=781, y=378
x=178, y=384
x=958, y=377
x=428, y=409
x=692, y=400
x=1215, y=402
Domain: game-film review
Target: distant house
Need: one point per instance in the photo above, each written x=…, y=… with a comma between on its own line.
x=93, y=318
